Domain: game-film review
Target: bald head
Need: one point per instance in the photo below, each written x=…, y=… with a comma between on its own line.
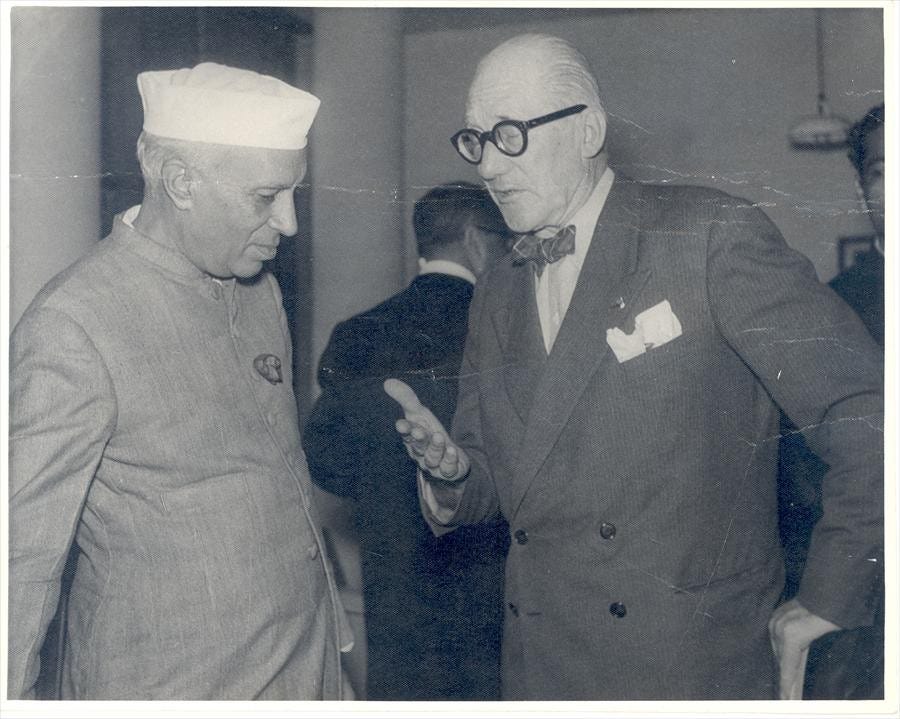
x=542, y=63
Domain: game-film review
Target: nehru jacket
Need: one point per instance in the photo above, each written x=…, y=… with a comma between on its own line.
x=153, y=424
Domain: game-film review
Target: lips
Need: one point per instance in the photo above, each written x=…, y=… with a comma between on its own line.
x=266, y=252
x=503, y=196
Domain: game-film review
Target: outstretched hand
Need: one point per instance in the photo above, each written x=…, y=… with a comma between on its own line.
x=427, y=442
x=792, y=629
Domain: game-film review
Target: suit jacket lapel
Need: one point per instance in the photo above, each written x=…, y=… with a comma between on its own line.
x=524, y=355
x=611, y=271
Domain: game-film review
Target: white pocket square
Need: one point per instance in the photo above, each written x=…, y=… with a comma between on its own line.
x=652, y=327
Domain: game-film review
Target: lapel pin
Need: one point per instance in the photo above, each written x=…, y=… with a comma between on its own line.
x=269, y=366
x=620, y=303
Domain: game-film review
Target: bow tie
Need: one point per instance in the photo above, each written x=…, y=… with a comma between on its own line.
x=545, y=251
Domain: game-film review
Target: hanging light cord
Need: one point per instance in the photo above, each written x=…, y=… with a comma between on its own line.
x=820, y=63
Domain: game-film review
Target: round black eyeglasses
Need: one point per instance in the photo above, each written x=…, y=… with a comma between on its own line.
x=508, y=136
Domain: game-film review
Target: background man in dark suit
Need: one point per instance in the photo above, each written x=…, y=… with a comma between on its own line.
x=432, y=604
x=849, y=664
x=616, y=404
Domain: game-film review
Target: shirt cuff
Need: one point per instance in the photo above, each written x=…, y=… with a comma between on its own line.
x=440, y=500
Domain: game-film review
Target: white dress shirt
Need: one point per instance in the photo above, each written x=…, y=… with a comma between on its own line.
x=556, y=285
x=445, y=267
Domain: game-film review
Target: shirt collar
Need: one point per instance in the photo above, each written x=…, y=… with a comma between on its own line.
x=585, y=219
x=445, y=267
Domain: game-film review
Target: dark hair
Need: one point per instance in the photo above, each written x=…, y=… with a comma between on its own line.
x=441, y=215
x=859, y=133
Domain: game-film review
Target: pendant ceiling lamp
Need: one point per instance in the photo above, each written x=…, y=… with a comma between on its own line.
x=823, y=131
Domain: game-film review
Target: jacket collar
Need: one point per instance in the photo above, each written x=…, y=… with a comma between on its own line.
x=144, y=246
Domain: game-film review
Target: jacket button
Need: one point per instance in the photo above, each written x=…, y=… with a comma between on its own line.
x=607, y=530
x=514, y=609
x=521, y=536
x=617, y=609
x=313, y=551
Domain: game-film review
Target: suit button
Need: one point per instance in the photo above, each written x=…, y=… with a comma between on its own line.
x=521, y=536
x=514, y=609
x=607, y=530
x=617, y=609
x=313, y=551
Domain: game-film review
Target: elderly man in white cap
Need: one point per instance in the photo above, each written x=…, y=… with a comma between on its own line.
x=153, y=425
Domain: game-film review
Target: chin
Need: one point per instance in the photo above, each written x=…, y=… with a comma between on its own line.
x=519, y=223
x=524, y=218
x=245, y=273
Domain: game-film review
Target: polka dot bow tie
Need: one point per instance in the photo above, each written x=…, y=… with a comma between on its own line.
x=544, y=251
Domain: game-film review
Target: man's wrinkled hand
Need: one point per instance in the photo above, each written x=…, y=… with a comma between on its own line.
x=427, y=442
x=792, y=629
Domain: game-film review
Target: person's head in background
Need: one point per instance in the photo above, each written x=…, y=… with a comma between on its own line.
x=866, y=140
x=459, y=222
x=221, y=152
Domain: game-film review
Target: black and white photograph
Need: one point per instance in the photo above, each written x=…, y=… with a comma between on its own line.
x=471, y=359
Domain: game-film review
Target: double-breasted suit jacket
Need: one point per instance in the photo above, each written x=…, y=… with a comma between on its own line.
x=641, y=495
x=151, y=427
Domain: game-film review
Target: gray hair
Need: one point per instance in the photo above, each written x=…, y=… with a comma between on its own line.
x=153, y=151
x=567, y=73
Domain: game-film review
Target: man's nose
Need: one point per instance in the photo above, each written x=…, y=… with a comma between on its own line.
x=284, y=214
x=493, y=162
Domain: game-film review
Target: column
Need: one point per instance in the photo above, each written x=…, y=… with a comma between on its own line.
x=54, y=196
x=358, y=255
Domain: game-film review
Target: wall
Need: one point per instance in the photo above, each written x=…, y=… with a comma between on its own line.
x=694, y=96
x=357, y=165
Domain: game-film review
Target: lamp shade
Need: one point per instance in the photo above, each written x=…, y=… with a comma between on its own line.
x=819, y=132
x=823, y=131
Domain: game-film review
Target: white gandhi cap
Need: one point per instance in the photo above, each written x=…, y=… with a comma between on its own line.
x=227, y=106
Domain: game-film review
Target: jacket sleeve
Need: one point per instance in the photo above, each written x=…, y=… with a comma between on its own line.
x=820, y=365
x=351, y=420
x=62, y=413
x=328, y=437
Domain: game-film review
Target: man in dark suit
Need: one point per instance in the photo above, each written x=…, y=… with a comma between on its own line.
x=862, y=286
x=617, y=403
x=849, y=664
x=432, y=604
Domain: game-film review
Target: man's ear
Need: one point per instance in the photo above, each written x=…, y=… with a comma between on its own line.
x=595, y=126
x=177, y=183
x=476, y=252
x=861, y=191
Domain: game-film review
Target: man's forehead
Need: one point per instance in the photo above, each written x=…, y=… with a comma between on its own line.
x=505, y=95
x=261, y=165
